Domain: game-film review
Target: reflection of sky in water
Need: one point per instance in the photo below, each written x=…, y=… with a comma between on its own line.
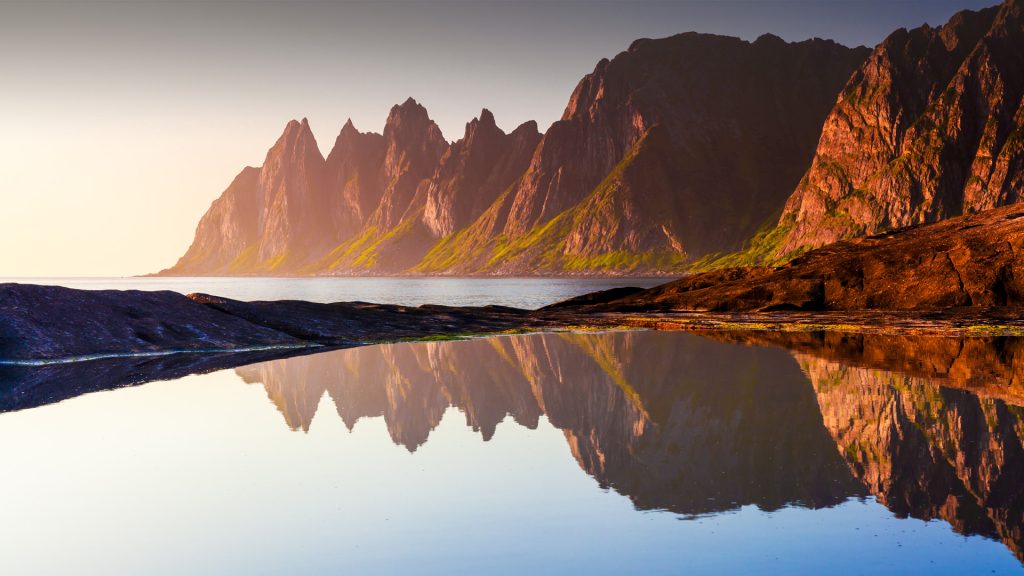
x=202, y=476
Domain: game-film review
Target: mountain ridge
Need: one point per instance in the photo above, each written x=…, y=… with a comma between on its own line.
x=614, y=187
x=686, y=153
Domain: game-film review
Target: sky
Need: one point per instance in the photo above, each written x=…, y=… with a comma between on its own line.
x=121, y=121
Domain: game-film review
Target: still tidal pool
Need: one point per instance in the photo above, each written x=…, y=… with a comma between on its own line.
x=598, y=453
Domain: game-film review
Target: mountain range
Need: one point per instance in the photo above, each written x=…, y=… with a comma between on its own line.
x=692, y=151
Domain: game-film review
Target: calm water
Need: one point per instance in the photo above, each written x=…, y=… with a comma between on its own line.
x=607, y=453
x=518, y=292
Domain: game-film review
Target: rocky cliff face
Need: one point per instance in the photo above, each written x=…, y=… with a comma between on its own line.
x=393, y=235
x=353, y=180
x=270, y=219
x=930, y=126
x=413, y=147
x=229, y=227
x=293, y=208
x=463, y=182
x=475, y=171
x=674, y=149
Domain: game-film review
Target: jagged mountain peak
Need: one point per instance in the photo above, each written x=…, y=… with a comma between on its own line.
x=348, y=137
x=769, y=39
x=530, y=126
x=296, y=134
x=410, y=120
x=486, y=117
x=481, y=125
x=410, y=108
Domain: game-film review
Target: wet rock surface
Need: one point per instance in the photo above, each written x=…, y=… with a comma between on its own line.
x=50, y=322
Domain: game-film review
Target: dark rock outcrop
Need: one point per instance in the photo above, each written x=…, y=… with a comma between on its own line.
x=47, y=324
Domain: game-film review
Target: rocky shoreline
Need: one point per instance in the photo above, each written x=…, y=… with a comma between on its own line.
x=962, y=277
x=42, y=325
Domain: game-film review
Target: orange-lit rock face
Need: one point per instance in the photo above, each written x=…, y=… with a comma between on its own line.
x=928, y=127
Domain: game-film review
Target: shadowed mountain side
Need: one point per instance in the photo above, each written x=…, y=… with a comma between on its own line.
x=675, y=148
x=671, y=420
x=925, y=451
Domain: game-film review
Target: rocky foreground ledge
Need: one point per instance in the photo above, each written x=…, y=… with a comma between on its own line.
x=961, y=275
x=51, y=324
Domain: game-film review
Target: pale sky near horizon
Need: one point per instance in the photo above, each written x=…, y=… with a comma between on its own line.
x=122, y=121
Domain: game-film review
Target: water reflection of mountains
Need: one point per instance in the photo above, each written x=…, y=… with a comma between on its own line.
x=930, y=426
x=671, y=420
x=679, y=422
